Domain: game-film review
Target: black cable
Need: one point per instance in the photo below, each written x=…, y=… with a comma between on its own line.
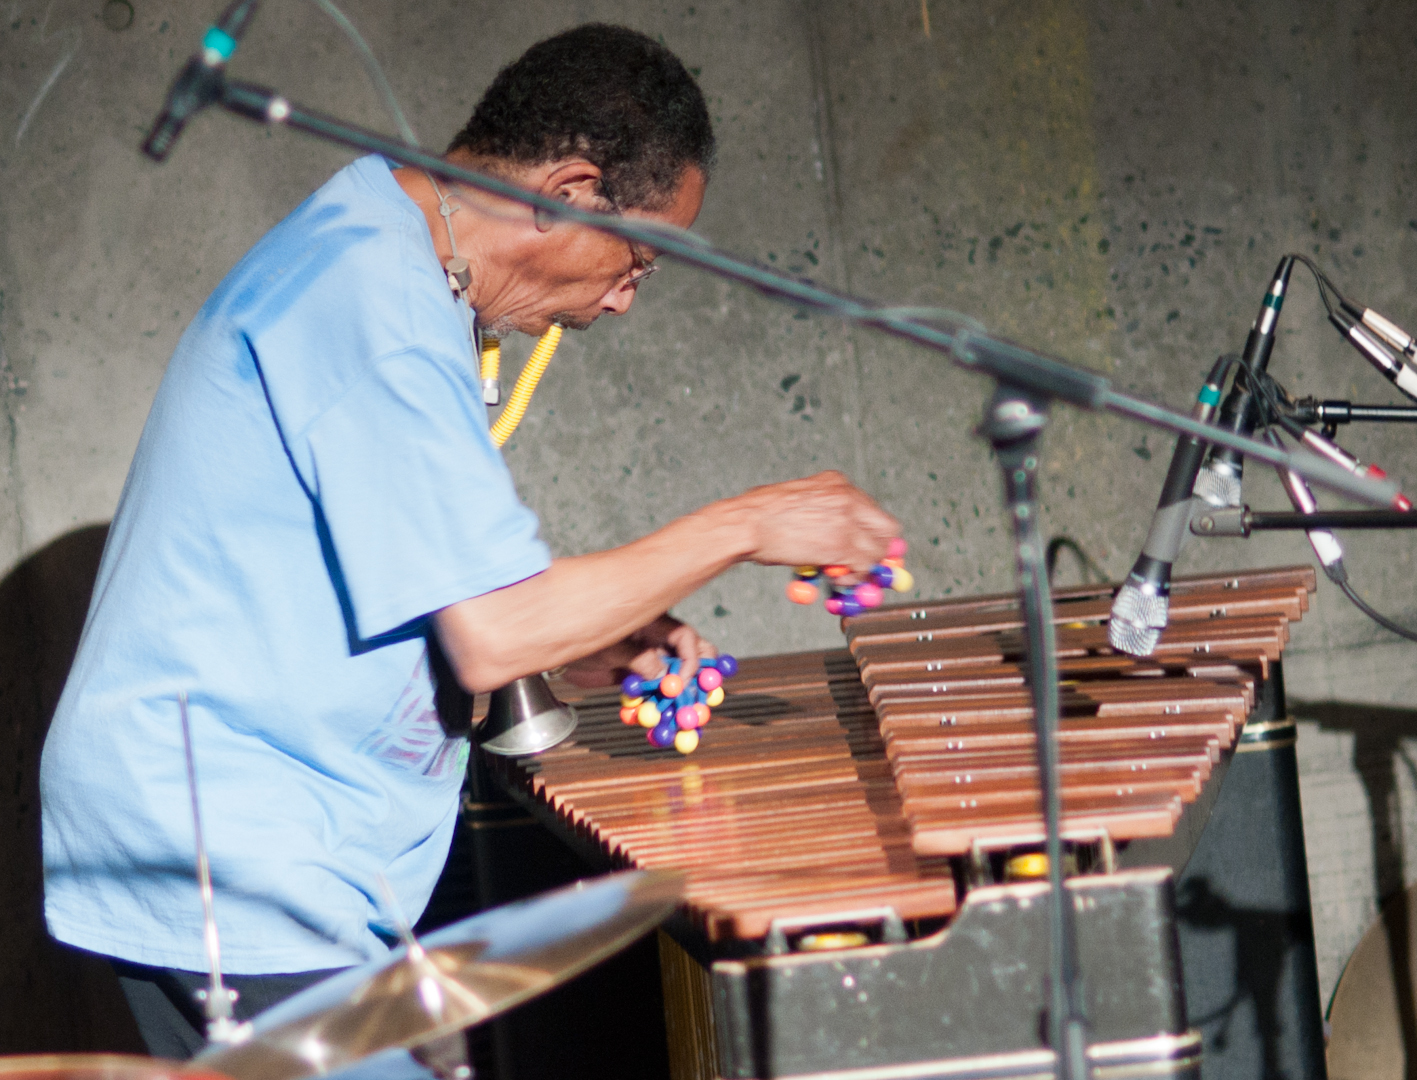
x=1060, y=543
x=1220, y=370
x=1322, y=280
x=1377, y=616
x=1268, y=392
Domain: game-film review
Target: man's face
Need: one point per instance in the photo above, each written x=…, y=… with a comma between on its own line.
x=584, y=273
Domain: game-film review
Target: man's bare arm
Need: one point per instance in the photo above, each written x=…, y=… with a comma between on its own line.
x=585, y=603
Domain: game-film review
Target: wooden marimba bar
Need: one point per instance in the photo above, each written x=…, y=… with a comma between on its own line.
x=787, y=808
x=1138, y=737
x=845, y=780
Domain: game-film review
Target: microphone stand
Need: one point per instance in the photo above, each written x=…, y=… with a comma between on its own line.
x=1013, y=422
x=1026, y=383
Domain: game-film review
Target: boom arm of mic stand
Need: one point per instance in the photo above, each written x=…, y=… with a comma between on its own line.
x=977, y=351
x=1242, y=521
x=1313, y=411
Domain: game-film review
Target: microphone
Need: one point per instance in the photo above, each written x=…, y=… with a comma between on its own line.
x=1399, y=338
x=1324, y=543
x=1355, y=330
x=199, y=83
x=1139, y=611
x=1342, y=458
x=1219, y=480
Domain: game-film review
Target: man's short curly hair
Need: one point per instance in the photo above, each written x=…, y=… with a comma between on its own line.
x=606, y=93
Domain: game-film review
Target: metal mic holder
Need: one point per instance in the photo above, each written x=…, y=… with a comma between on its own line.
x=1242, y=521
x=1332, y=413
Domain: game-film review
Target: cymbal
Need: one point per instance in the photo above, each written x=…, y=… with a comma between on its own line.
x=98, y=1067
x=456, y=977
x=1372, y=1028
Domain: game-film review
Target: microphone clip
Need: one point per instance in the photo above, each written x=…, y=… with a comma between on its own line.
x=201, y=81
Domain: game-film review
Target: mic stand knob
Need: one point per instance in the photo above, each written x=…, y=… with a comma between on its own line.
x=1222, y=521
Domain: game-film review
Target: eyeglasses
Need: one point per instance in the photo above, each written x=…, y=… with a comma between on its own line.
x=640, y=267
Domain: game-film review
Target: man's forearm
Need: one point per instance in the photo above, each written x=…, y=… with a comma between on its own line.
x=584, y=603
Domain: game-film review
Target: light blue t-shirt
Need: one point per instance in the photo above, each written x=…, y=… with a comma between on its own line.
x=315, y=478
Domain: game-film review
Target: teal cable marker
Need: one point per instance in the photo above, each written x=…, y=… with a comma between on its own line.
x=1209, y=395
x=1273, y=301
x=220, y=42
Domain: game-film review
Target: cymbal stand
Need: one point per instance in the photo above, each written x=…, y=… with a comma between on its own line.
x=446, y=1057
x=217, y=999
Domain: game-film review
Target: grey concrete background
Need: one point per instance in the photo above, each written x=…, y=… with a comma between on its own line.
x=1112, y=180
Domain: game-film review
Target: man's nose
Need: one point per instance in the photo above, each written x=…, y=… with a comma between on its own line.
x=618, y=300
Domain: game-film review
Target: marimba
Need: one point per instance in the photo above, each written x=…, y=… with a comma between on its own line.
x=852, y=824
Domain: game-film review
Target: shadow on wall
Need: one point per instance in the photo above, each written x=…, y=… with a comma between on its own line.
x=56, y=999
x=1262, y=940
x=1378, y=732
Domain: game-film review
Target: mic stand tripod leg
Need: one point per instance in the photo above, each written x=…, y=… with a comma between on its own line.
x=1012, y=425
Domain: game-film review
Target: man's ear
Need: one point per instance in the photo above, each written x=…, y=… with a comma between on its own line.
x=575, y=181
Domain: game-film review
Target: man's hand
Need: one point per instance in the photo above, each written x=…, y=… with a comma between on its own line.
x=644, y=653
x=820, y=520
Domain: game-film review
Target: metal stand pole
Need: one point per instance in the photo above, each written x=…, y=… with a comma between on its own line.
x=1012, y=425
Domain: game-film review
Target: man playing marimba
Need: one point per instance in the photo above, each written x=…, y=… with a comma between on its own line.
x=315, y=504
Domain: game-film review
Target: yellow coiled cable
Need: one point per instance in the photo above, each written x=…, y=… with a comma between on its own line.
x=526, y=381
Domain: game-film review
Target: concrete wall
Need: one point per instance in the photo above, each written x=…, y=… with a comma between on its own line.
x=1112, y=180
